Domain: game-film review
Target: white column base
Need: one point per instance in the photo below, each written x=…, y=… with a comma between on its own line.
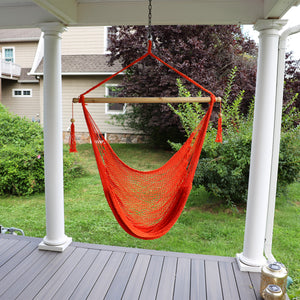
x=245, y=265
x=55, y=248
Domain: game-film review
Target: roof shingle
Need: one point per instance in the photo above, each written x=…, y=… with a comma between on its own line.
x=24, y=77
x=84, y=64
x=19, y=35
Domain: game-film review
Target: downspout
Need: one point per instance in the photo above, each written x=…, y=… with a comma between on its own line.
x=276, y=140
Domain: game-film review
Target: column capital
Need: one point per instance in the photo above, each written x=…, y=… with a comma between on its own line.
x=52, y=28
x=269, y=24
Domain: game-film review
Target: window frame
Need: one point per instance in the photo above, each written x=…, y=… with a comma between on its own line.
x=13, y=56
x=22, y=93
x=107, y=110
x=106, y=39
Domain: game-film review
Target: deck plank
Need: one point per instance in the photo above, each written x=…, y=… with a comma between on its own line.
x=85, y=286
x=19, y=270
x=244, y=284
x=228, y=282
x=167, y=279
x=198, y=281
x=213, y=283
x=183, y=279
x=51, y=287
x=5, y=245
x=136, y=280
x=11, y=252
x=255, y=280
x=90, y=271
x=35, y=286
x=149, y=289
x=69, y=285
x=119, y=283
x=15, y=259
x=27, y=277
x=103, y=283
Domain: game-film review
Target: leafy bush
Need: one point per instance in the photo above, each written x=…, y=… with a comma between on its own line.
x=223, y=169
x=21, y=169
x=22, y=156
x=289, y=157
x=18, y=131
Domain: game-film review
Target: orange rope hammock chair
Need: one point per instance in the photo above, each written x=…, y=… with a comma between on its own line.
x=147, y=204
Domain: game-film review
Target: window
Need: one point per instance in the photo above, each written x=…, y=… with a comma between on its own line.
x=113, y=108
x=26, y=93
x=22, y=93
x=8, y=54
x=109, y=33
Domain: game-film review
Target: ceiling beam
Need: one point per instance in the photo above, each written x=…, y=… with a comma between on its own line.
x=169, y=12
x=275, y=9
x=64, y=10
x=23, y=16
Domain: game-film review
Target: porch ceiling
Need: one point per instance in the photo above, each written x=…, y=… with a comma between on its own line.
x=29, y=13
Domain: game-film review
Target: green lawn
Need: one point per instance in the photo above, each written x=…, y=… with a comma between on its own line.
x=205, y=226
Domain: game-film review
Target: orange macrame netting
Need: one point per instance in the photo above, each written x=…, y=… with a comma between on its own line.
x=147, y=204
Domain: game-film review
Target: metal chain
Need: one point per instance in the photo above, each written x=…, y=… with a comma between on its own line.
x=149, y=20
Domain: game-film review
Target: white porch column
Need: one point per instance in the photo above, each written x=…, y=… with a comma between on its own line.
x=252, y=257
x=55, y=240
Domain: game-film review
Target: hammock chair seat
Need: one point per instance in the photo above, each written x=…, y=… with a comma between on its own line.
x=147, y=204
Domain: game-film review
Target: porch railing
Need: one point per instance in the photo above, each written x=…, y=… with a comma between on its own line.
x=9, y=69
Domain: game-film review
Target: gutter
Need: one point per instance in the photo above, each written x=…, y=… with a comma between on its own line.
x=276, y=139
x=78, y=73
x=19, y=39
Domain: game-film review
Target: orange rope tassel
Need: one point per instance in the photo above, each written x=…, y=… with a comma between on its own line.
x=219, y=138
x=72, y=139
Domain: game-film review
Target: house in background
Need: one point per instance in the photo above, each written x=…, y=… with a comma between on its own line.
x=20, y=92
x=84, y=64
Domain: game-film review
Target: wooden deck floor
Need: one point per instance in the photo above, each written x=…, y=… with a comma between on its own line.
x=86, y=271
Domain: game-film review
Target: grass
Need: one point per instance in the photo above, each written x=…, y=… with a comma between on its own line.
x=206, y=226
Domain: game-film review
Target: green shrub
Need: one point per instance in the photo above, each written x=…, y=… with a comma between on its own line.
x=22, y=157
x=21, y=169
x=223, y=169
x=289, y=157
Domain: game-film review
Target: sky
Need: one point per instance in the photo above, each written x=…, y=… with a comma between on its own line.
x=293, y=42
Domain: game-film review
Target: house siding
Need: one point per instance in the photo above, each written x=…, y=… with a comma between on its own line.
x=73, y=86
x=76, y=41
x=23, y=106
x=24, y=52
x=83, y=40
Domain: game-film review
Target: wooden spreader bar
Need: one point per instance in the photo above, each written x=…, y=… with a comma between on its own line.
x=146, y=99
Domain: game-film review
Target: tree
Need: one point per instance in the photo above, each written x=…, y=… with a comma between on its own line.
x=292, y=80
x=205, y=53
